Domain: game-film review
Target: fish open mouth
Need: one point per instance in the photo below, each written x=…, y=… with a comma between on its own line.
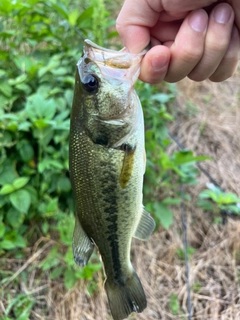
x=121, y=65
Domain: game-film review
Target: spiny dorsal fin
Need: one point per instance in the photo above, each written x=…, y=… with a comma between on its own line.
x=145, y=227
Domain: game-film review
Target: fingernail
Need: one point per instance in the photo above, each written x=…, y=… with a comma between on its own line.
x=198, y=21
x=222, y=13
x=159, y=62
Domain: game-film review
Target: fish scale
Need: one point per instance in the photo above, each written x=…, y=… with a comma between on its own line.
x=106, y=169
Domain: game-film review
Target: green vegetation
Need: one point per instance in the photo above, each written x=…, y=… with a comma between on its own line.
x=37, y=66
x=174, y=306
x=215, y=200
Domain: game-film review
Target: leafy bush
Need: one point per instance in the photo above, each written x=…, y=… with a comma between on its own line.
x=37, y=69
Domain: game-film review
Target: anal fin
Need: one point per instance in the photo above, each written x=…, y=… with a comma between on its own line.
x=82, y=246
x=145, y=227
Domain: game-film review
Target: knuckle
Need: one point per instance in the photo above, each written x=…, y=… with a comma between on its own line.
x=218, y=47
x=191, y=55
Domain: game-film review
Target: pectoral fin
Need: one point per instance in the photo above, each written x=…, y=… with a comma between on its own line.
x=82, y=245
x=145, y=227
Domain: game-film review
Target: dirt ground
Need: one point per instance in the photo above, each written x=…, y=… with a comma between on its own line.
x=208, y=123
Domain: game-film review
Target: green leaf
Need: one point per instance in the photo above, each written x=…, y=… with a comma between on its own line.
x=169, y=201
x=24, y=126
x=49, y=164
x=41, y=123
x=6, y=189
x=8, y=172
x=163, y=214
x=20, y=242
x=2, y=72
x=85, y=17
x=162, y=97
x=60, y=7
x=53, y=64
x=73, y=16
x=57, y=272
x=64, y=184
x=112, y=34
x=21, y=200
x=206, y=205
x=20, y=79
x=51, y=208
x=26, y=151
x=7, y=244
x=2, y=229
x=232, y=208
x=45, y=227
x=174, y=304
x=20, y=182
x=181, y=255
x=5, y=88
x=69, y=278
x=186, y=156
x=15, y=218
x=59, y=71
x=90, y=269
x=39, y=108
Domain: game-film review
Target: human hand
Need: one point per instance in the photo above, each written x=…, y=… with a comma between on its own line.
x=195, y=39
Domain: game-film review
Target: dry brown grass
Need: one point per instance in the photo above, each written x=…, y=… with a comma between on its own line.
x=208, y=123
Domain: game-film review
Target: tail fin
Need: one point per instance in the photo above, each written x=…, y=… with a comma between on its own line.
x=125, y=298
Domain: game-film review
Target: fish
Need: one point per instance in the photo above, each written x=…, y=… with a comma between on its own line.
x=107, y=163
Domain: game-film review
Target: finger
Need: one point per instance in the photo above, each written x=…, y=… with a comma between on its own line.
x=154, y=65
x=186, y=5
x=188, y=46
x=236, y=7
x=134, y=22
x=230, y=60
x=136, y=17
x=216, y=43
x=165, y=31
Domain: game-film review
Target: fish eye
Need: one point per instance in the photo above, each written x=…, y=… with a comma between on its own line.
x=90, y=83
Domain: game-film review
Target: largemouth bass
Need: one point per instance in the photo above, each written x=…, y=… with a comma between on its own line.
x=107, y=164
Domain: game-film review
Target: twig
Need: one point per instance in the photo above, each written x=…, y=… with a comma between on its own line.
x=184, y=226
